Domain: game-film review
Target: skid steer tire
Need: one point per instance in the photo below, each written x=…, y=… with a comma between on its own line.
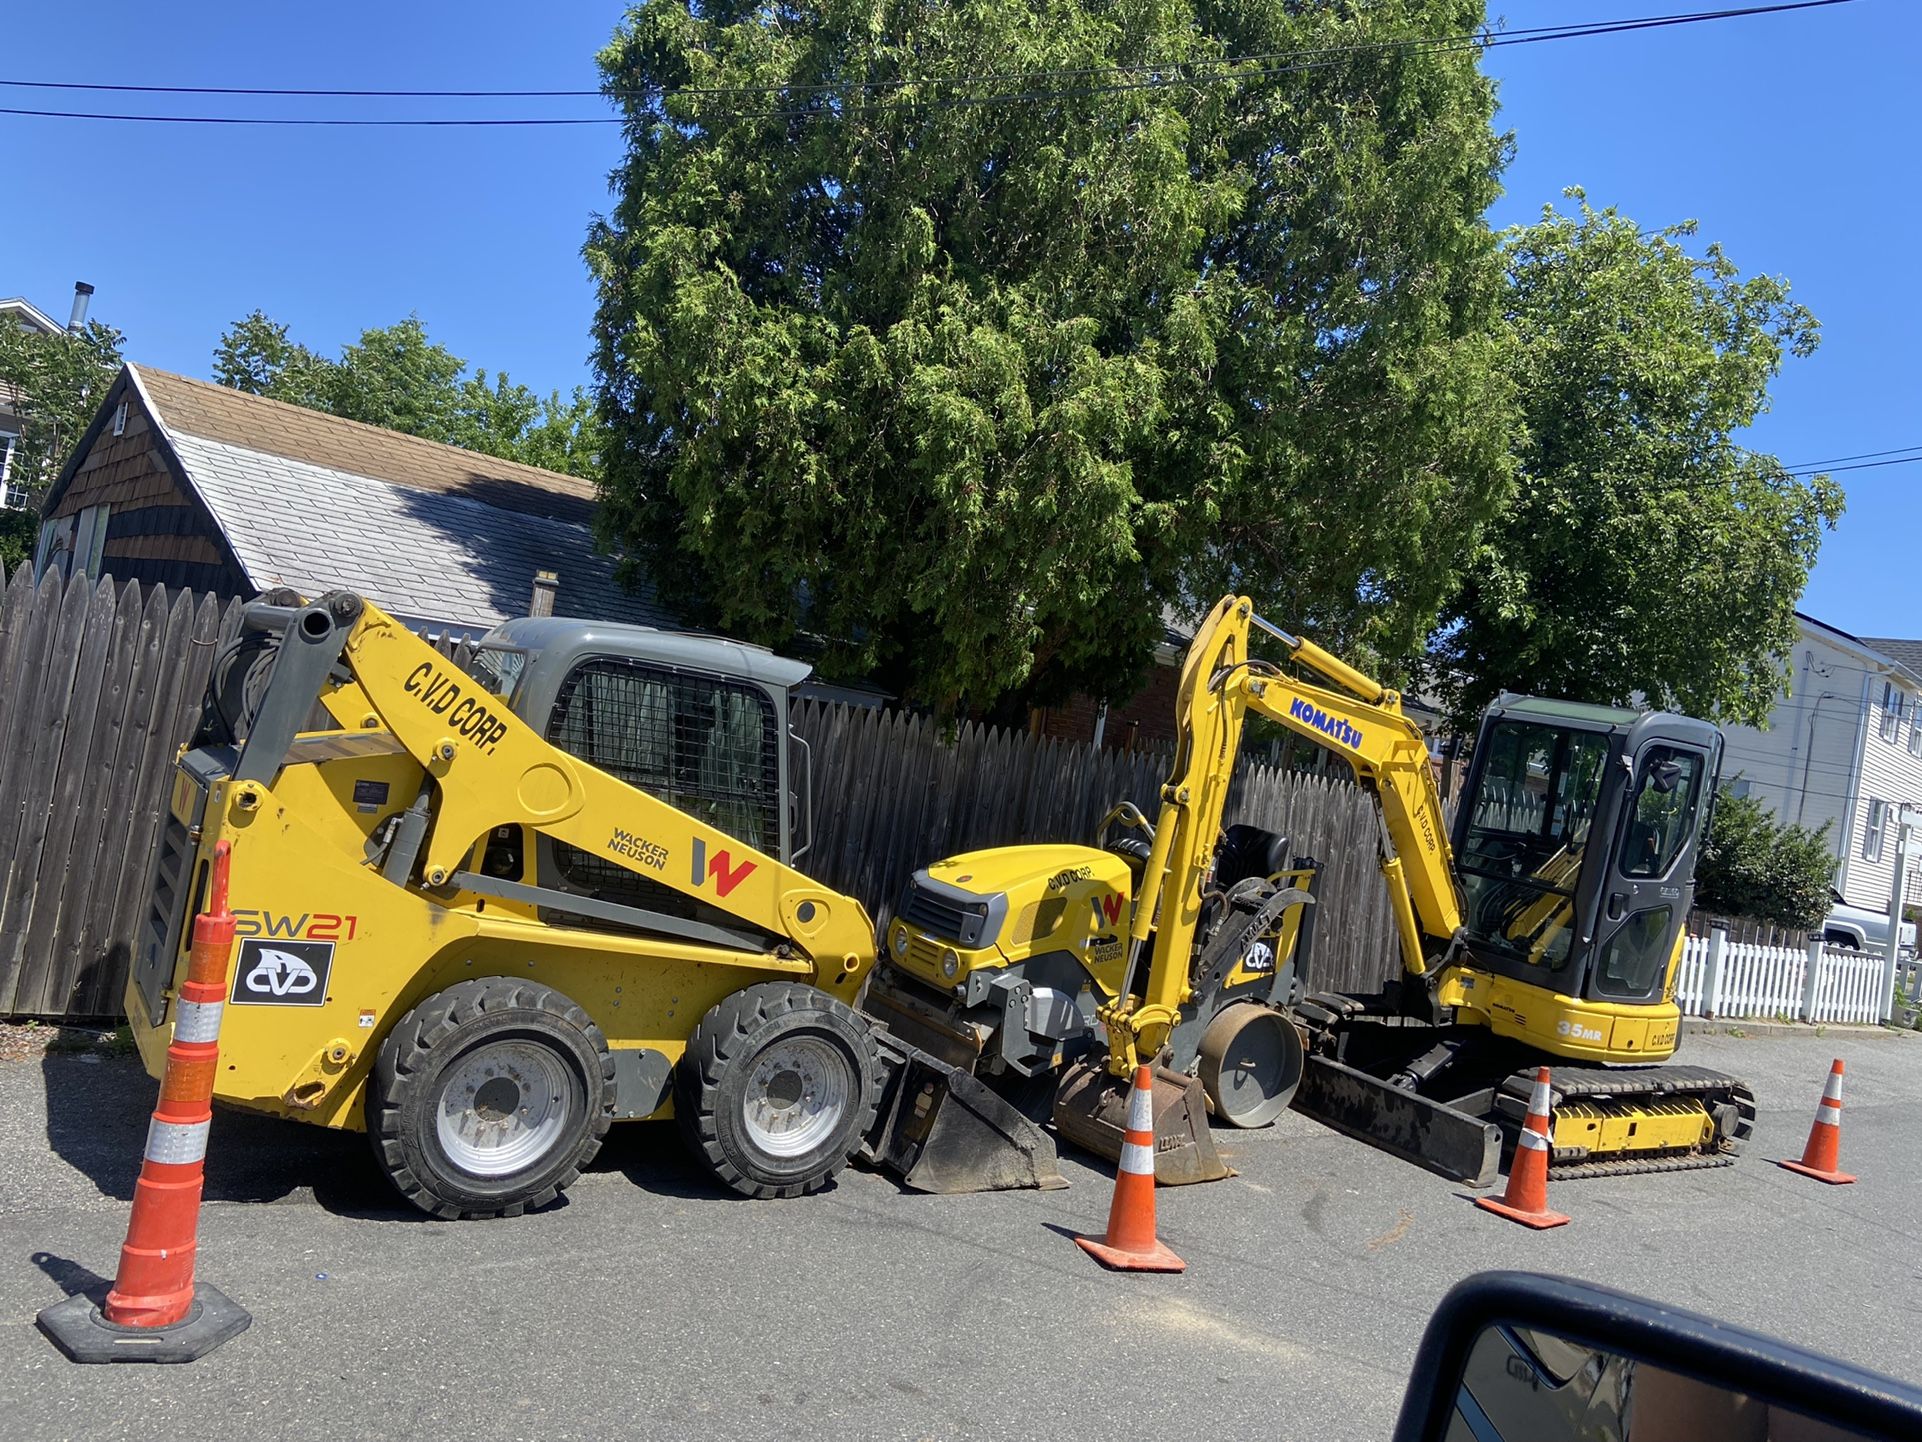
x=777, y=1088
x=488, y=1098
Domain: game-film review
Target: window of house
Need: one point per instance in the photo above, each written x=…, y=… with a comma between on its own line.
x=9, y=442
x=1915, y=731
x=1875, y=830
x=90, y=540
x=1892, y=699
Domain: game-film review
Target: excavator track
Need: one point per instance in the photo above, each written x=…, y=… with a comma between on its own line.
x=1688, y=1095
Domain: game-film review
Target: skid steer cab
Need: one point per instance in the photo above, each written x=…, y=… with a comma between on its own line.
x=485, y=912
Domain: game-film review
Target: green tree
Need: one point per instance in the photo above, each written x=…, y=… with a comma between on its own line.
x=19, y=530
x=1645, y=552
x=255, y=355
x=1751, y=866
x=967, y=376
x=396, y=377
x=58, y=381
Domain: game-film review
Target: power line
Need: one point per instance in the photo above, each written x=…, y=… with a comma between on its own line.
x=1864, y=456
x=1859, y=466
x=1222, y=70
x=993, y=77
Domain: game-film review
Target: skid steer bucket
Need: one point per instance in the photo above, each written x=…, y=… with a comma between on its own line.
x=941, y=1129
x=1091, y=1110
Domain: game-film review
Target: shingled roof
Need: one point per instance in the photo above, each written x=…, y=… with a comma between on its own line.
x=434, y=533
x=1906, y=654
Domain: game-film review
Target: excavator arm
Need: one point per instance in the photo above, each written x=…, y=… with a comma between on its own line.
x=1355, y=717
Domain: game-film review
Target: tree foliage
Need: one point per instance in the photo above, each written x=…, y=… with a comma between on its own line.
x=966, y=377
x=1751, y=866
x=57, y=381
x=395, y=377
x=19, y=531
x=1646, y=553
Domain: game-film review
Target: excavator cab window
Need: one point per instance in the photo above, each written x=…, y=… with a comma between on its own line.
x=1652, y=874
x=1535, y=801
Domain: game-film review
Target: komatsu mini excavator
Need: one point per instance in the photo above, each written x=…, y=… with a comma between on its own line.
x=1550, y=931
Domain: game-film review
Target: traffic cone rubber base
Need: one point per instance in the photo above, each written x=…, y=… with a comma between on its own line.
x=1541, y=1220
x=1834, y=1179
x=78, y=1328
x=1160, y=1259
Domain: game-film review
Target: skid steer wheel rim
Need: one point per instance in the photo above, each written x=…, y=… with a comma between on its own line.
x=796, y=1096
x=503, y=1107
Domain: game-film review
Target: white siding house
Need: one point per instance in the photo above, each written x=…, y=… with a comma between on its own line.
x=1843, y=748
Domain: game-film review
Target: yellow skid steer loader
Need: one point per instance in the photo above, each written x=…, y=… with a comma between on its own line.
x=484, y=915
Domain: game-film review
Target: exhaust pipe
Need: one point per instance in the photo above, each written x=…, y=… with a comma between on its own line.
x=82, y=293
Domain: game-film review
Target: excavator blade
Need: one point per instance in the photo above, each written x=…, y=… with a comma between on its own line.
x=1428, y=1133
x=1091, y=1110
x=941, y=1129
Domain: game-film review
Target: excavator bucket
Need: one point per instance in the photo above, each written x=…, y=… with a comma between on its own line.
x=941, y=1129
x=1091, y=1110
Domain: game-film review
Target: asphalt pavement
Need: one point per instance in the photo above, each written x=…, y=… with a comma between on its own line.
x=647, y=1304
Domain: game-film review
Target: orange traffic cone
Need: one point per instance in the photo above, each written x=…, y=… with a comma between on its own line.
x=1526, y=1200
x=1822, y=1157
x=156, y=1312
x=1131, y=1244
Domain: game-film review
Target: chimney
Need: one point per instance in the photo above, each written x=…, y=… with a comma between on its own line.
x=81, y=292
x=546, y=583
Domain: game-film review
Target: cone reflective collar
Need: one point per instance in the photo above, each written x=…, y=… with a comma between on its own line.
x=1822, y=1157
x=1526, y=1199
x=156, y=1312
x=1131, y=1244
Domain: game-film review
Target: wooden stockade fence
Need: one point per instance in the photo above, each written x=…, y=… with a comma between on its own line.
x=100, y=683
x=891, y=794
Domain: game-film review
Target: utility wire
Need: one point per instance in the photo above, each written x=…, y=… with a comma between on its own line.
x=1220, y=70
x=1859, y=466
x=1864, y=456
x=1568, y=31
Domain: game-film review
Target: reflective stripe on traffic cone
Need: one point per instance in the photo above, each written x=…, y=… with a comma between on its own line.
x=1822, y=1157
x=155, y=1312
x=1526, y=1199
x=1131, y=1244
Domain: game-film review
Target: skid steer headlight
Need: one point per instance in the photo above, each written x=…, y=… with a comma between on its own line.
x=950, y=963
x=900, y=941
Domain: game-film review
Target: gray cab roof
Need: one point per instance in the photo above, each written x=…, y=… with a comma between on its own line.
x=562, y=637
x=1612, y=717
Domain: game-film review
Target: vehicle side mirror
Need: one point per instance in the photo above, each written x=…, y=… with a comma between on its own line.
x=1516, y=1357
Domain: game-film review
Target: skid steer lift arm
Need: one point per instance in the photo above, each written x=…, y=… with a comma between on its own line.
x=488, y=768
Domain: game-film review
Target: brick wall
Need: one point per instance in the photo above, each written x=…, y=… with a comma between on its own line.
x=1145, y=719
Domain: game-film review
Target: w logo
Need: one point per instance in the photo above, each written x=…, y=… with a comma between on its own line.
x=1107, y=909
x=726, y=875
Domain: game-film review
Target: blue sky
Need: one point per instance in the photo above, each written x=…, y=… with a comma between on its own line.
x=1792, y=139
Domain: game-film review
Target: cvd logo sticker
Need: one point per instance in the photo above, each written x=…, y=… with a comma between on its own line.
x=282, y=973
x=726, y=876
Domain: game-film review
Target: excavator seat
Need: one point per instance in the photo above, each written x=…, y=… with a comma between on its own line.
x=1250, y=851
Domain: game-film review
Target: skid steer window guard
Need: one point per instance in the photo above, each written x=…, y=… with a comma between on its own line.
x=705, y=744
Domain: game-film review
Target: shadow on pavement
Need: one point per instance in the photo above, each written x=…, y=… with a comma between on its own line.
x=653, y=1157
x=97, y=1111
x=72, y=1278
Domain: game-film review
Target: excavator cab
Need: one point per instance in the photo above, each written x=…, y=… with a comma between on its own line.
x=1576, y=839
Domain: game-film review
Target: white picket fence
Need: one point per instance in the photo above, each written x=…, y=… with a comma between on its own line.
x=1722, y=978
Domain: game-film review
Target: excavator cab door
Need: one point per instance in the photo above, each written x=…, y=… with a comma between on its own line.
x=1649, y=884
